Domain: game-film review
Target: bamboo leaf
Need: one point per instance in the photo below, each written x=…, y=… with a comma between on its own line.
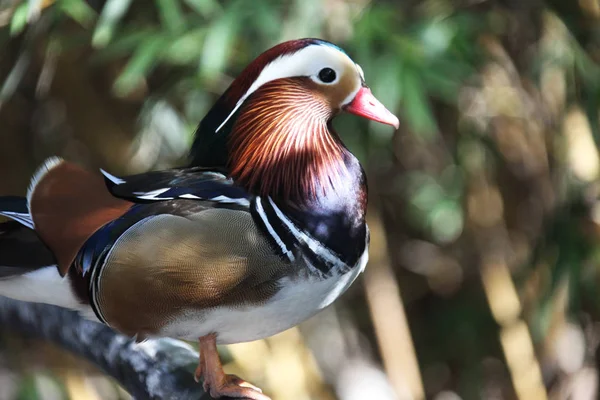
x=218, y=43
x=186, y=49
x=266, y=20
x=171, y=15
x=78, y=10
x=124, y=44
x=143, y=60
x=112, y=13
x=19, y=19
x=206, y=8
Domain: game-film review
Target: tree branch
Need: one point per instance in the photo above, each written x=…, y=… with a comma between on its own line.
x=155, y=369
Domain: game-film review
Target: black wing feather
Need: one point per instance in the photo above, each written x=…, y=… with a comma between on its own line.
x=182, y=183
x=21, y=250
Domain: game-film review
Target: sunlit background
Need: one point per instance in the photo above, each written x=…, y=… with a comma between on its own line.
x=485, y=219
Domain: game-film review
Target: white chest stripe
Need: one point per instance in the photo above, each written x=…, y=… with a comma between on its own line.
x=22, y=218
x=313, y=245
x=153, y=195
x=225, y=199
x=112, y=178
x=280, y=243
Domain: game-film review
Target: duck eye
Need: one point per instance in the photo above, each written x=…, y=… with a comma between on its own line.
x=327, y=75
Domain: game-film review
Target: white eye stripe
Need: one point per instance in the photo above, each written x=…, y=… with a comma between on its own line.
x=305, y=62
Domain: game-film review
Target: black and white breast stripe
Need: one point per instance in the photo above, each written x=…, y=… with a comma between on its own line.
x=16, y=208
x=95, y=285
x=291, y=241
x=23, y=218
x=279, y=237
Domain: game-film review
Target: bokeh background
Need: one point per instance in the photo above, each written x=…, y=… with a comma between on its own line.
x=485, y=257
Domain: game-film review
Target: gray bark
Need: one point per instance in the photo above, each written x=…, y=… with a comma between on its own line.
x=155, y=369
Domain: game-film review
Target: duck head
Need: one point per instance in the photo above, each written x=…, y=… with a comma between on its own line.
x=272, y=128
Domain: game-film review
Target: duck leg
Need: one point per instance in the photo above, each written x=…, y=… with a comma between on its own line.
x=216, y=382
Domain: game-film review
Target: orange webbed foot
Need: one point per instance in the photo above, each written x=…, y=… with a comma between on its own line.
x=233, y=386
x=216, y=382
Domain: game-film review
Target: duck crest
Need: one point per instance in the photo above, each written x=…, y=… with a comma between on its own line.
x=207, y=150
x=281, y=144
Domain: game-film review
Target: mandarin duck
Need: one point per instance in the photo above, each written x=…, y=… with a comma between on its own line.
x=264, y=228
